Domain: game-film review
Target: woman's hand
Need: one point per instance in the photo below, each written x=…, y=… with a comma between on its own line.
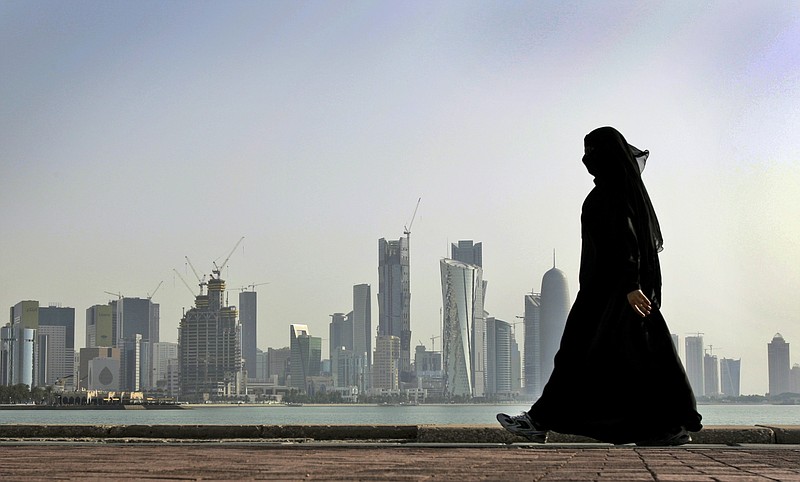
x=639, y=303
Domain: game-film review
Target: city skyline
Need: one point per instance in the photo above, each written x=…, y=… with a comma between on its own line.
x=133, y=135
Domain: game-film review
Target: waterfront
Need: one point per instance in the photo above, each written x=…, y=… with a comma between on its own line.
x=358, y=414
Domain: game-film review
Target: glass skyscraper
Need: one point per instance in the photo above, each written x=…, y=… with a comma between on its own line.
x=394, y=298
x=461, y=288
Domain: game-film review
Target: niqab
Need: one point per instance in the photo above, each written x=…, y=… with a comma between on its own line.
x=617, y=167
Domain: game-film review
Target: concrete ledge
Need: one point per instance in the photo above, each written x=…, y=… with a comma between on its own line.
x=340, y=432
x=785, y=434
x=483, y=434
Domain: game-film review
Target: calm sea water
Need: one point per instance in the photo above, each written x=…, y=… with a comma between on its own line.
x=343, y=414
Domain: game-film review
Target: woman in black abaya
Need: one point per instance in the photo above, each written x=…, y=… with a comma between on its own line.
x=617, y=377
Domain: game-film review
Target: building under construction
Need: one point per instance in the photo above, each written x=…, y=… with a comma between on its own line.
x=210, y=356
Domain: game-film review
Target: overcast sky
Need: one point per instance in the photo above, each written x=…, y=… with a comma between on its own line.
x=133, y=134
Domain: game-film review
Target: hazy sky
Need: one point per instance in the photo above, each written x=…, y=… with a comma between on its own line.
x=133, y=134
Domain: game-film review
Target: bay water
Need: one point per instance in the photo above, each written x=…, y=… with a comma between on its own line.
x=357, y=414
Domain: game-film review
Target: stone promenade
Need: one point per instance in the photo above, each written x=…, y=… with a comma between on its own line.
x=389, y=462
x=382, y=453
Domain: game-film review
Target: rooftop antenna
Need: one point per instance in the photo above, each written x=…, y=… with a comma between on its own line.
x=554, y=257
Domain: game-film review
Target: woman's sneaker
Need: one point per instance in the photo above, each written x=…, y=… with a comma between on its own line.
x=674, y=439
x=523, y=426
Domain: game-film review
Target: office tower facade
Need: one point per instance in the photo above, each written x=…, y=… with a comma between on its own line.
x=130, y=368
x=6, y=346
x=56, y=345
x=554, y=311
x=135, y=316
x=694, y=364
x=24, y=324
x=394, y=297
x=248, y=316
x=778, y=364
x=99, y=326
x=730, y=376
x=278, y=360
x=794, y=379
x=210, y=357
x=362, y=330
x=532, y=364
x=471, y=253
x=676, y=343
x=499, y=358
x=467, y=252
x=710, y=375
x=516, y=366
x=340, y=342
x=461, y=291
x=386, y=363
x=164, y=354
x=305, y=356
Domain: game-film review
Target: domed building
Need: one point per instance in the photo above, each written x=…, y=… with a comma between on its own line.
x=554, y=309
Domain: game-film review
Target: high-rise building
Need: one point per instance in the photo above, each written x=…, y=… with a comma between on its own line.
x=394, y=298
x=516, y=366
x=710, y=375
x=24, y=324
x=386, y=363
x=694, y=363
x=248, y=319
x=340, y=342
x=461, y=291
x=499, y=357
x=56, y=345
x=278, y=360
x=469, y=253
x=362, y=331
x=305, y=356
x=99, y=326
x=210, y=357
x=794, y=379
x=164, y=354
x=553, y=313
x=779, y=365
x=532, y=350
x=132, y=316
x=730, y=376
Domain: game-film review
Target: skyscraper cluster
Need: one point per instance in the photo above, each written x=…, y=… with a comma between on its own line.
x=709, y=375
x=217, y=357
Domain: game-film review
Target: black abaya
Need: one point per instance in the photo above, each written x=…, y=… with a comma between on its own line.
x=617, y=377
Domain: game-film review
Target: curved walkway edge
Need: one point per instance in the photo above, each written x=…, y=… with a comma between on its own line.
x=464, y=434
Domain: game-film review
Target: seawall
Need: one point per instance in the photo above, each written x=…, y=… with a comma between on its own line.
x=464, y=434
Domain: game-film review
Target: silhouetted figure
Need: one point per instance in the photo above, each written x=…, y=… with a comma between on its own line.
x=617, y=376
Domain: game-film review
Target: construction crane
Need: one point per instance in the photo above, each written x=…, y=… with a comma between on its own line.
x=185, y=283
x=118, y=295
x=200, y=281
x=433, y=346
x=218, y=268
x=250, y=286
x=150, y=296
x=407, y=228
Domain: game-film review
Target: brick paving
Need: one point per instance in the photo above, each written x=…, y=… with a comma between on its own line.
x=390, y=462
